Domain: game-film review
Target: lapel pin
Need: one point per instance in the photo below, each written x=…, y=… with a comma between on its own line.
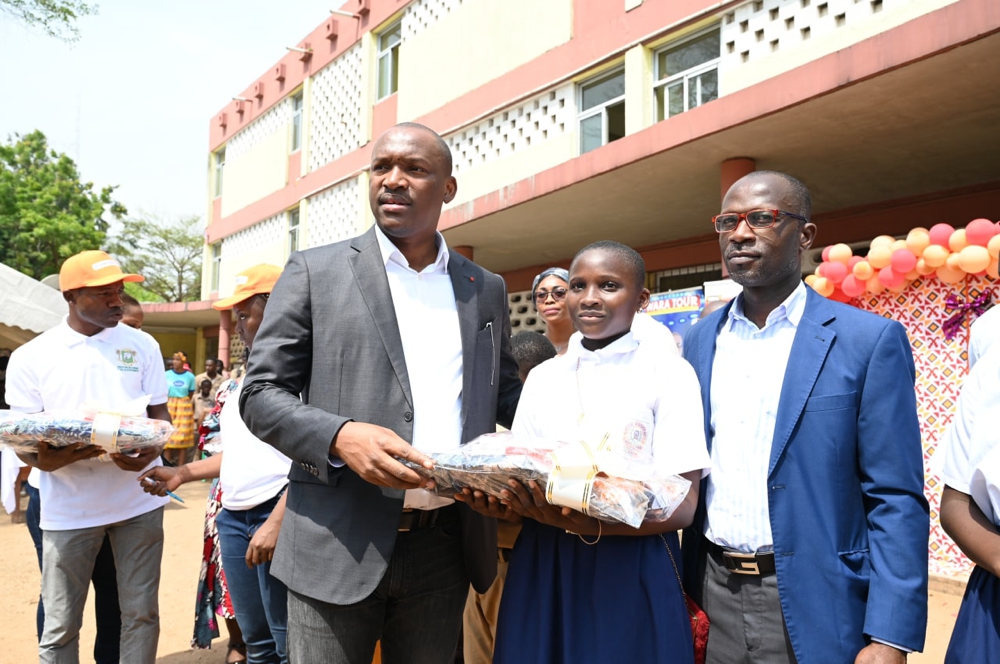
x=472, y=278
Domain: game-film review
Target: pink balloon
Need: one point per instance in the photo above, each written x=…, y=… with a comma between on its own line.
x=826, y=252
x=903, y=261
x=854, y=261
x=940, y=233
x=888, y=278
x=980, y=231
x=822, y=268
x=836, y=272
x=839, y=296
x=852, y=286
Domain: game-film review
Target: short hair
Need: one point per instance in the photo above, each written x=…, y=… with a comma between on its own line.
x=130, y=301
x=443, y=149
x=631, y=259
x=530, y=349
x=798, y=193
x=203, y=381
x=213, y=359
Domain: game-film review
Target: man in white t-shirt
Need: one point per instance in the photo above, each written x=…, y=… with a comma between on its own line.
x=984, y=331
x=90, y=359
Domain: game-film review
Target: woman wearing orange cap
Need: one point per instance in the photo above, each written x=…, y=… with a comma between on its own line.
x=180, y=387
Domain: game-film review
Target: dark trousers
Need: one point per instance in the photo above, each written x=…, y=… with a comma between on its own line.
x=106, y=609
x=416, y=610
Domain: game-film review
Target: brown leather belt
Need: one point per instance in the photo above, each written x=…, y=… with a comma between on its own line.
x=738, y=562
x=412, y=520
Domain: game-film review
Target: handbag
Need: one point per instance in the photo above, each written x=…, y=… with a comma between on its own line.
x=699, y=619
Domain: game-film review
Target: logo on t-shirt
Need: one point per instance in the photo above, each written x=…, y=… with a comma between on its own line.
x=127, y=360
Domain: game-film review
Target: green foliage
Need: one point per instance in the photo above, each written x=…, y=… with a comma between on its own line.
x=46, y=213
x=57, y=18
x=167, y=254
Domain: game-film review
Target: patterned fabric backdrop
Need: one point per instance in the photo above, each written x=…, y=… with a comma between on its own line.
x=941, y=367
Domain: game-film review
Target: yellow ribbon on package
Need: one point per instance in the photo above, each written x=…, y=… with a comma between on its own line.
x=573, y=472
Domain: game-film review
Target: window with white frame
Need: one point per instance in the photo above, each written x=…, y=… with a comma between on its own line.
x=216, y=266
x=602, y=116
x=293, y=230
x=297, y=122
x=388, y=59
x=220, y=165
x=687, y=74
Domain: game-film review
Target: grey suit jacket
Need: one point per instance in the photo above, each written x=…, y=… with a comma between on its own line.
x=330, y=335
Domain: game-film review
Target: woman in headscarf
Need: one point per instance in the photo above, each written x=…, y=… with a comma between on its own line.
x=548, y=294
x=180, y=387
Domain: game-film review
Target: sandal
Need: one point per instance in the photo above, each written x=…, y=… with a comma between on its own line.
x=240, y=649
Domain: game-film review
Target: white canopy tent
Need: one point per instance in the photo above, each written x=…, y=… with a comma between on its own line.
x=27, y=307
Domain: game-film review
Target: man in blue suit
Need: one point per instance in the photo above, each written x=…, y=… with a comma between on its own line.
x=810, y=540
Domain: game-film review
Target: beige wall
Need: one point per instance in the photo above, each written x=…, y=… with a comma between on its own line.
x=468, y=48
x=260, y=171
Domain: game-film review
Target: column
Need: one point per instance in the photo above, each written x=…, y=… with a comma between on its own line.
x=225, y=330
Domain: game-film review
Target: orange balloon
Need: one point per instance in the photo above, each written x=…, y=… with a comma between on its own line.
x=935, y=255
x=811, y=279
x=993, y=246
x=917, y=240
x=923, y=269
x=974, y=258
x=823, y=286
x=897, y=245
x=953, y=263
x=840, y=253
x=949, y=276
x=874, y=286
x=957, y=241
x=863, y=270
x=911, y=275
x=879, y=256
x=899, y=288
x=991, y=269
x=886, y=240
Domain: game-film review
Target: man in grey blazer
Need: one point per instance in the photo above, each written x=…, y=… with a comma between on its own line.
x=367, y=346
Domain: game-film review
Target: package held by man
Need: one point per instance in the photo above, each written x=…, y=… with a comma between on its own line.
x=579, y=475
x=115, y=433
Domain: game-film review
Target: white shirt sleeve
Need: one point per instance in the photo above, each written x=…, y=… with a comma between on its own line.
x=959, y=445
x=22, y=391
x=679, y=431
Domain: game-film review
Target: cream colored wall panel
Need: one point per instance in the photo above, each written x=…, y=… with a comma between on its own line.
x=766, y=38
x=638, y=89
x=456, y=54
x=518, y=166
x=260, y=171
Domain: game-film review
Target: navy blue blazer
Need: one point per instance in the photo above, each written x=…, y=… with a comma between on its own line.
x=845, y=483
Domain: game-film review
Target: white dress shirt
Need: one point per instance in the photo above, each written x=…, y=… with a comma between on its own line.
x=984, y=331
x=432, y=347
x=747, y=375
x=972, y=444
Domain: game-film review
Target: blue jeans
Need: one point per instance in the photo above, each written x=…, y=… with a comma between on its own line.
x=416, y=609
x=107, y=613
x=259, y=600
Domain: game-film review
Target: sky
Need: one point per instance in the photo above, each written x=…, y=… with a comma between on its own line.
x=131, y=102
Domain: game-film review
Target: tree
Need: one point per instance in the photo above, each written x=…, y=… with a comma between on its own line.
x=46, y=213
x=167, y=254
x=57, y=18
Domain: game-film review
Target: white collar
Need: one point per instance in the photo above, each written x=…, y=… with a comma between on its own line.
x=792, y=309
x=575, y=350
x=73, y=338
x=390, y=252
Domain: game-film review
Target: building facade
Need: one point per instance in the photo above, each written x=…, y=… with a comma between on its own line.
x=572, y=121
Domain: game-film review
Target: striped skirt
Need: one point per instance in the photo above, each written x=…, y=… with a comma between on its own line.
x=182, y=415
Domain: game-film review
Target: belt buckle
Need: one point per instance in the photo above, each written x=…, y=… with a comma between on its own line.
x=747, y=562
x=407, y=528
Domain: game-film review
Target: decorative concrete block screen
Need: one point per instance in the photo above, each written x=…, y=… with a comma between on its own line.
x=275, y=119
x=335, y=109
x=333, y=214
x=255, y=238
x=762, y=27
x=546, y=116
x=423, y=14
x=522, y=315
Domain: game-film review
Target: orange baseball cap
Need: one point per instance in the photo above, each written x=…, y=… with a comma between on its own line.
x=92, y=268
x=252, y=281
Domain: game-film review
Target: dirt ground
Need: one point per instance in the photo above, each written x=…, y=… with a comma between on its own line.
x=181, y=563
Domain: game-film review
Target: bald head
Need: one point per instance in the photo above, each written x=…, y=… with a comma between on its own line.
x=794, y=194
x=440, y=147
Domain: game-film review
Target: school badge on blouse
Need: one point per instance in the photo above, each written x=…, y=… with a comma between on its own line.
x=634, y=438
